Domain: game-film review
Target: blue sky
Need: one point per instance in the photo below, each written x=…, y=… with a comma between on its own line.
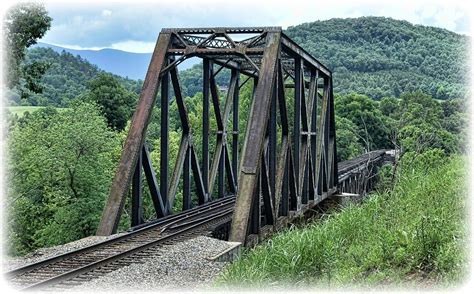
x=134, y=26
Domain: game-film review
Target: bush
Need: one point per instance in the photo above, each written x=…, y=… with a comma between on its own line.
x=59, y=172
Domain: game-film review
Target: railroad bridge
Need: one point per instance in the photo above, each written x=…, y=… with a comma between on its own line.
x=284, y=166
x=254, y=180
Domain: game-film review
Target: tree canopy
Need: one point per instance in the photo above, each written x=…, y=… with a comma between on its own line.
x=24, y=23
x=115, y=101
x=59, y=172
x=380, y=57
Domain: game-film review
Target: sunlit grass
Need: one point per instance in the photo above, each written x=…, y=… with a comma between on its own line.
x=20, y=110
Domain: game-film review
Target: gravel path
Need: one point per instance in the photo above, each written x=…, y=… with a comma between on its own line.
x=183, y=266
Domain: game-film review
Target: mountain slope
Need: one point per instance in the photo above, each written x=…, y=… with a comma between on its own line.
x=374, y=56
x=65, y=79
x=125, y=64
x=380, y=56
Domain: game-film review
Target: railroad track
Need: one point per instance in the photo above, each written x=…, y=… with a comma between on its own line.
x=74, y=268
x=348, y=166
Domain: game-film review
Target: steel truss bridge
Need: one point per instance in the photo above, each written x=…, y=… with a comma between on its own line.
x=241, y=190
x=286, y=163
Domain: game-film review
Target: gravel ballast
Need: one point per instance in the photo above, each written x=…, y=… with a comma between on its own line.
x=11, y=263
x=183, y=266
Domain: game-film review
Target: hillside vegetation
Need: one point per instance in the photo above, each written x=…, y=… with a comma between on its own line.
x=66, y=78
x=379, y=56
x=414, y=233
x=374, y=56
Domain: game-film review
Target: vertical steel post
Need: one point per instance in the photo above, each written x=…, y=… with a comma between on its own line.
x=164, y=139
x=220, y=181
x=187, y=204
x=297, y=119
x=326, y=140
x=284, y=207
x=255, y=218
x=272, y=142
x=305, y=190
x=235, y=129
x=313, y=128
x=137, y=194
x=333, y=134
x=207, y=67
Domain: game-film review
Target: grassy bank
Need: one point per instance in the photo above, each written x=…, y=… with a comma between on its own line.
x=414, y=234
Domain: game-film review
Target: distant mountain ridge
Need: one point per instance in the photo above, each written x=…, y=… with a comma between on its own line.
x=122, y=63
x=374, y=56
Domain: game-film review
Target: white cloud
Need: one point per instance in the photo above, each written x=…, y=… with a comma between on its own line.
x=106, y=13
x=134, y=46
x=76, y=47
x=135, y=26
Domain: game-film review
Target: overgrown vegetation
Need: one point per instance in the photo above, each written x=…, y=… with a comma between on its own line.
x=415, y=233
x=414, y=122
x=24, y=23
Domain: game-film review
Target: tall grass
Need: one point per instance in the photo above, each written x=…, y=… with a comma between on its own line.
x=415, y=233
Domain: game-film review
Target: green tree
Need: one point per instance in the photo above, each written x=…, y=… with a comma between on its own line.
x=366, y=115
x=24, y=23
x=115, y=101
x=389, y=106
x=348, y=145
x=60, y=169
x=423, y=124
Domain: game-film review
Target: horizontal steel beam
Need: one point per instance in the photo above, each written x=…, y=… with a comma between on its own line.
x=228, y=30
x=215, y=51
x=295, y=50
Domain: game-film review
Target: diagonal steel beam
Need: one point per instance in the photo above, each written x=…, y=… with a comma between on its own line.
x=253, y=145
x=135, y=139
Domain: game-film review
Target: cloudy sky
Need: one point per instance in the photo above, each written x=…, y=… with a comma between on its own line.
x=134, y=25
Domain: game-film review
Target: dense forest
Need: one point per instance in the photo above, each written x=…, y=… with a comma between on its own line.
x=61, y=163
x=375, y=56
x=64, y=80
x=379, y=56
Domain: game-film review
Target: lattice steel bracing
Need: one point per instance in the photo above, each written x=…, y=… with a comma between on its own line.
x=287, y=160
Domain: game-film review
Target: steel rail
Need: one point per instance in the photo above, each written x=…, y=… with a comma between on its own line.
x=167, y=221
x=108, y=260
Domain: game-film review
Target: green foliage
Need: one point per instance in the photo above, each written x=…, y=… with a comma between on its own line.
x=421, y=124
x=115, y=101
x=65, y=79
x=59, y=172
x=368, y=119
x=413, y=233
x=191, y=79
x=414, y=122
x=380, y=57
x=24, y=23
x=348, y=145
